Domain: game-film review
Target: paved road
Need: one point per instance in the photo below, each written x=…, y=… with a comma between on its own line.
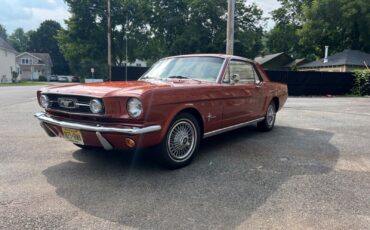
x=312, y=171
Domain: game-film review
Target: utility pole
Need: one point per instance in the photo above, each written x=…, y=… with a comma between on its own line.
x=126, y=35
x=230, y=27
x=109, y=43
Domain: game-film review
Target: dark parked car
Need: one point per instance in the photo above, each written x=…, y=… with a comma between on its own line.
x=76, y=79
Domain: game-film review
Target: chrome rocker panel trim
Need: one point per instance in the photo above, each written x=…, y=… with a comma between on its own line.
x=230, y=128
x=101, y=129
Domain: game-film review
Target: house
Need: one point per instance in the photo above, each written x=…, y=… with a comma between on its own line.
x=279, y=61
x=34, y=65
x=7, y=61
x=346, y=61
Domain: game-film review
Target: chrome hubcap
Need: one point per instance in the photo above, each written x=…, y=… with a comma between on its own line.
x=270, y=117
x=181, y=140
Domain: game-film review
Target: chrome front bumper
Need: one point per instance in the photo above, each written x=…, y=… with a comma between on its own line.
x=44, y=119
x=96, y=128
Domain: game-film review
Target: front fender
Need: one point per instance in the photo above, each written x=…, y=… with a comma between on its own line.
x=173, y=113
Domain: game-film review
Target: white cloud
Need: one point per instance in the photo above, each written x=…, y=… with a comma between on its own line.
x=28, y=14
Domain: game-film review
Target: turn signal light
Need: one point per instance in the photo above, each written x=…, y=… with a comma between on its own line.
x=130, y=143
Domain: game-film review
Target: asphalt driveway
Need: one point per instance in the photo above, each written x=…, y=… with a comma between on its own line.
x=312, y=171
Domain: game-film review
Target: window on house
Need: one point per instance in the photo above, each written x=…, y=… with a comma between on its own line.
x=26, y=61
x=138, y=65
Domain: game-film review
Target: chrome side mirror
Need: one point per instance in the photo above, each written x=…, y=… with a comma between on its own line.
x=235, y=79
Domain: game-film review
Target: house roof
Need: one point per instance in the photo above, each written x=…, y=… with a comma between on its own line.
x=267, y=58
x=347, y=57
x=6, y=46
x=296, y=62
x=43, y=57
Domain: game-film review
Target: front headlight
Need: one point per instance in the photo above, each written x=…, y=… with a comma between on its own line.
x=44, y=101
x=134, y=107
x=96, y=106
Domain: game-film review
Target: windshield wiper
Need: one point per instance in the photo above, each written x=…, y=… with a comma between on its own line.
x=183, y=77
x=149, y=77
x=146, y=77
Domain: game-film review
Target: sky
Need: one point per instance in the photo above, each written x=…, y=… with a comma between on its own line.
x=28, y=14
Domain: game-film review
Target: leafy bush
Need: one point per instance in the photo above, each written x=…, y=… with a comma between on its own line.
x=14, y=76
x=361, y=84
x=42, y=78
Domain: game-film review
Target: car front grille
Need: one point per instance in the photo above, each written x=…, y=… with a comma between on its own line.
x=70, y=103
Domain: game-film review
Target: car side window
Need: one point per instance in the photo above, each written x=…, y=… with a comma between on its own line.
x=245, y=71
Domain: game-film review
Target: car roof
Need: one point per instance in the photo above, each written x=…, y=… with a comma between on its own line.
x=225, y=56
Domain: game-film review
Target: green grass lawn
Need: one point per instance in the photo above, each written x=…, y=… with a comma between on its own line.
x=23, y=83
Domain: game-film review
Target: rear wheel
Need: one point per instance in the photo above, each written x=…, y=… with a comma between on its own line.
x=269, y=122
x=181, y=142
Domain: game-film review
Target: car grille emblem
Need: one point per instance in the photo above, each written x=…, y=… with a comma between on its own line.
x=67, y=103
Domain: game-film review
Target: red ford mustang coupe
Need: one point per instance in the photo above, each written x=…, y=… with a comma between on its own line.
x=179, y=101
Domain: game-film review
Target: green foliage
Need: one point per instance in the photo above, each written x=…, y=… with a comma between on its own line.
x=3, y=33
x=304, y=27
x=19, y=40
x=361, y=84
x=43, y=40
x=42, y=78
x=341, y=24
x=155, y=29
x=283, y=37
x=14, y=76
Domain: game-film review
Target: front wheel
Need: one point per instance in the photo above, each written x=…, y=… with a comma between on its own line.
x=269, y=122
x=181, y=142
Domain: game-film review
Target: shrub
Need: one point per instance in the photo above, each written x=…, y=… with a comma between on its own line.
x=14, y=76
x=361, y=84
x=42, y=78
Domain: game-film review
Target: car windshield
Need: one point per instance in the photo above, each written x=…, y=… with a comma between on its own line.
x=196, y=68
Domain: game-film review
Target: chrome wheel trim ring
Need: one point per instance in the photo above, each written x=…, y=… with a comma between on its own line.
x=270, y=116
x=181, y=141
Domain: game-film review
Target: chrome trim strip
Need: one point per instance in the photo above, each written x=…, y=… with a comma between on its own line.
x=48, y=130
x=106, y=145
x=220, y=76
x=82, y=104
x=72, y=125
x=230, y=128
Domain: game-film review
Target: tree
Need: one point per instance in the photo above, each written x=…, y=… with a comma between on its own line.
x=340, y=24
x=199, y=26
x=84, y=42
x=289, y=19
x=43, y=40
x=249, y=32
x=19, y=40
x=3, y=33
x=156, y=28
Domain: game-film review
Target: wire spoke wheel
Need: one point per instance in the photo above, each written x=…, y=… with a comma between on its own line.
x=271, y=114
x=181, y=140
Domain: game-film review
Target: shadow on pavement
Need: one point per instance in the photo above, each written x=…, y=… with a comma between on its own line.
x=233, y=175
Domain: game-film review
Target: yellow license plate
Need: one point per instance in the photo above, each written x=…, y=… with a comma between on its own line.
x=73, y=136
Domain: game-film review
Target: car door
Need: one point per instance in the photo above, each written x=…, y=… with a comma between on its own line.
x=243, y=98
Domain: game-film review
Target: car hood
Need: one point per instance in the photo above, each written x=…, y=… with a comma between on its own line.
x=111, y=89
